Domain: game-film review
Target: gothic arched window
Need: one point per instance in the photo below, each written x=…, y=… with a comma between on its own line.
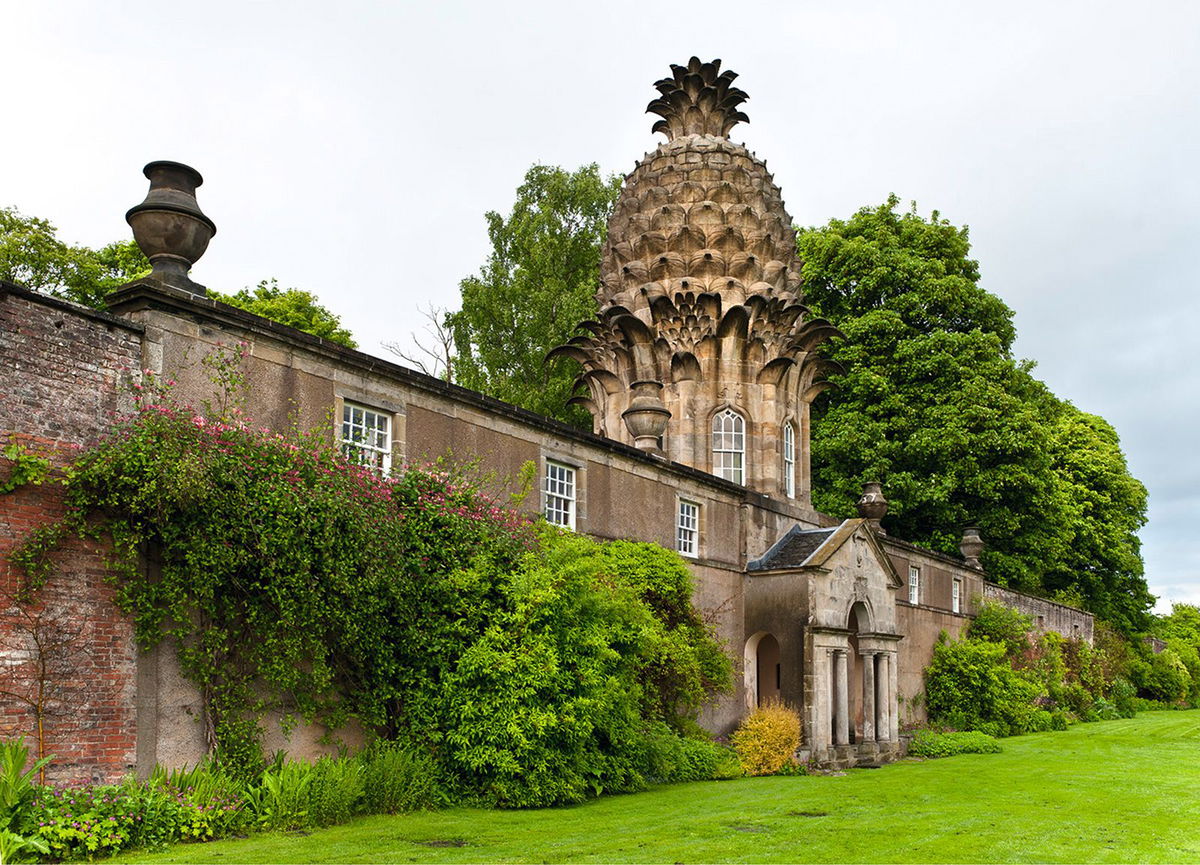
x=729, y=446
x=789, y=459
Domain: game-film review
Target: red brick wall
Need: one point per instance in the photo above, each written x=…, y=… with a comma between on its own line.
x=62, y=379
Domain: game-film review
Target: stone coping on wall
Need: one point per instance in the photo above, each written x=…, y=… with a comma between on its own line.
x=106, y=318
x=150, y=293
x=910, y=547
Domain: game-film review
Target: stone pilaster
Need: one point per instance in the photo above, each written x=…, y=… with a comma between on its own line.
x=893, y=706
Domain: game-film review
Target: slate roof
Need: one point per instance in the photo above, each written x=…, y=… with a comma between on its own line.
x=793, y=549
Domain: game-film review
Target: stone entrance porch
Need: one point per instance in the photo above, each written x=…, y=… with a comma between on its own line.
x=821, y=602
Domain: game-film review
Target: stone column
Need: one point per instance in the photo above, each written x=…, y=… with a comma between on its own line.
x=841, y=727
x=821, y=716
x=883, y=702
x=893, y=705
x=868, y=682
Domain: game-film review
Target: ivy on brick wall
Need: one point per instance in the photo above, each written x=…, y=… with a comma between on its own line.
x=24, y=468
x=533, y=665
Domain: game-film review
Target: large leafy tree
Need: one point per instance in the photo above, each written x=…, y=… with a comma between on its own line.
x=31, y=254
x=933, y=403
x=538, y=284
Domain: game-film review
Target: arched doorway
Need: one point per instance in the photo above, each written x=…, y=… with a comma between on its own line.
x=859, y=622
x=762, y=669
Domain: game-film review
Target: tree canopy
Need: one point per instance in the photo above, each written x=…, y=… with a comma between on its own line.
x=538, y=283
x=31, y=254
x=934, y=404
x=291, y=306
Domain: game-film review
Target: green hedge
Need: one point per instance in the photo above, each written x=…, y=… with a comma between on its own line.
x=928, y=743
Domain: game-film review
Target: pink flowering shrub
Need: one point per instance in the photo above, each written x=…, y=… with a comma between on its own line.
x=289, y=576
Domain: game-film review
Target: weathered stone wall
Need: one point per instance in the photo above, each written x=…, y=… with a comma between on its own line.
x=63, y=374
x=1046, y=615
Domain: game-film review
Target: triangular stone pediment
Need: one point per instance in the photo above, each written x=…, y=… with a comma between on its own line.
x=813, y=548
x=848, y=568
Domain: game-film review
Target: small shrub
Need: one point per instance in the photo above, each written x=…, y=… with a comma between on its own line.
x=396, y=780
x=927, y=743
x=970, y=685
x=158, y=807
x=1043, y=721
x=995, y=729
x=1123, y=695
x=85, y=822
x=1080, y=702
x=282, y=800
x=334, y=791
x=17, y=786
x=672, y=759
x=1106, y=711
x=1167, y=679
x=18, y=848
x=767, y=739
x=729, y=765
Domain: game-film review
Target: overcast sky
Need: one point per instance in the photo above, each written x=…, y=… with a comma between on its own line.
x=352, y=149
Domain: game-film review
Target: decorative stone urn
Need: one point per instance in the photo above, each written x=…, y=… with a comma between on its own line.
x=971, y=546
x=646, y=418
x=872, y=505
x=169, y=226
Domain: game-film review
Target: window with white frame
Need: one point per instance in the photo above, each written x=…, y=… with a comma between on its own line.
x=914, y=584
x=956, y=596
x=367, y=437
x=789, y=460
x=687, y=528
x=560, y=494
x=729, y=446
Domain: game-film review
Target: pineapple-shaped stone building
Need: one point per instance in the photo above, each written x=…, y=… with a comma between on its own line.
x=703, y=350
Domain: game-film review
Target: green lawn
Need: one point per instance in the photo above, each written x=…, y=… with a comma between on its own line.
x=1115, y=791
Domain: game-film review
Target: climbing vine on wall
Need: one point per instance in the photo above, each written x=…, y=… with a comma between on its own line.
x=24, y=468
x=294, y=581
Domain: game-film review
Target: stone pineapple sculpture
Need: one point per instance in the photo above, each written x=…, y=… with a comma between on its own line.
x=700, y=302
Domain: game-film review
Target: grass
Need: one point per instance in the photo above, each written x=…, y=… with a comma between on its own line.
x=1115, y=791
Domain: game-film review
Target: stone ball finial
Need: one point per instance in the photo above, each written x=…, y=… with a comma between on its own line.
x=971, y=546
x=169, y=226
x=872, y=505
x=698, y=99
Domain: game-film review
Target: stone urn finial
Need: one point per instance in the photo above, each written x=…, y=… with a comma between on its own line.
x=646, y=418
x=169, y=226
x=971, y=546
x=872, y=505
